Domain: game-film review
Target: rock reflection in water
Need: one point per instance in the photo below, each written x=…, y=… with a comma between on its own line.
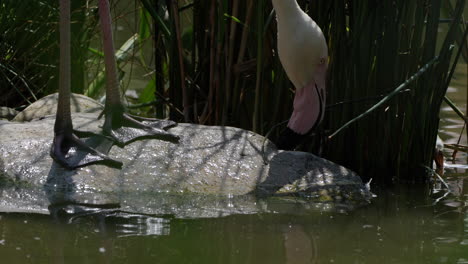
x=140, y=225
x=110, y=221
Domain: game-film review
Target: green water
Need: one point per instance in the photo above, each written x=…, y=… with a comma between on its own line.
x=402, y=225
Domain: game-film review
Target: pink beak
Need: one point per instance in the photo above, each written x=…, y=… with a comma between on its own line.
x=309, y=103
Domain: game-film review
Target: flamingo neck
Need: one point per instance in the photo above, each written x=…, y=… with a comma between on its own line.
x=287, y=9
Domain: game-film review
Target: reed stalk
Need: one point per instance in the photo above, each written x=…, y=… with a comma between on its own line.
x=174, y=6
x=257, y=116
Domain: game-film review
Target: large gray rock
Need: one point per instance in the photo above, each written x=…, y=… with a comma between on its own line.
x=212, y=171
x=48, y=106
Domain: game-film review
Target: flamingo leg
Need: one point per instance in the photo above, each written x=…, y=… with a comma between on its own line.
x=67, y=148
x=122, y=127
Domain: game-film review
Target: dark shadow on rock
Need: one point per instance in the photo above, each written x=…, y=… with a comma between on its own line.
x=213, y=142
x=299, y=173
x=59, y=187
x=282, y=171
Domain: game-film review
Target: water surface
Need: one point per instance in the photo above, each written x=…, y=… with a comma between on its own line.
x=402, y=225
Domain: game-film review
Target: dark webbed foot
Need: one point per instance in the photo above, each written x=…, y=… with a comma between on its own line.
x=71, y=152
x=127, y=129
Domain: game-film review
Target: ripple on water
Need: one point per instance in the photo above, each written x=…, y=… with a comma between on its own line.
x=141, y=225
x=446, y=240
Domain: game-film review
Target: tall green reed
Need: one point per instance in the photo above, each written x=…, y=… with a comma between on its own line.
x=388, y=42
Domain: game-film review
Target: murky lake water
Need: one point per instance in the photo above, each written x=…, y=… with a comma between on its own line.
x=402, y=225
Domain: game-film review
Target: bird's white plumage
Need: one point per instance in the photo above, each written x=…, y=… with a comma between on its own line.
x=301, y=43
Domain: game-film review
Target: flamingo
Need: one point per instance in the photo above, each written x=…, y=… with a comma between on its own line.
x=303, y=52
x=121, y=127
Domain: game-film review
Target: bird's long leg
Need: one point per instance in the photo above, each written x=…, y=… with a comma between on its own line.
x=67, y=149
x=122, y=127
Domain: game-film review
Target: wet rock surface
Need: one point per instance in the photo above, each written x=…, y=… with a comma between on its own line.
x=213, y=171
